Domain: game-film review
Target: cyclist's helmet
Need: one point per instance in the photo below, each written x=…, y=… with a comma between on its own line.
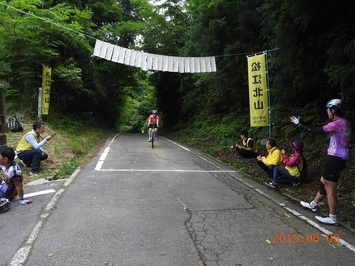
x=334, y=104
x=4, y=204
x=154, y=112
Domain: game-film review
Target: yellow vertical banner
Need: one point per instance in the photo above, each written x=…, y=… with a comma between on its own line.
x=46, y=85
x=258, y=95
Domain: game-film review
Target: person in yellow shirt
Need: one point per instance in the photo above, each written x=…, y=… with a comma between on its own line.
x=273, y=158
x=294, y=164
x=29, y=149
x=247, y=150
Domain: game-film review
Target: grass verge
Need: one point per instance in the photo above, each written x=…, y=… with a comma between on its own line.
x=73, y=143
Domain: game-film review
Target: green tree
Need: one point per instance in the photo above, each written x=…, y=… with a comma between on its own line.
x=228, y=30
x=312, y=64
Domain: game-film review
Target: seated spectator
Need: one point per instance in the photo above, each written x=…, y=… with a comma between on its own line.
x=291, y=173
x=247, y=150
x=274, y=158
x=29, y=149
x=11, y=182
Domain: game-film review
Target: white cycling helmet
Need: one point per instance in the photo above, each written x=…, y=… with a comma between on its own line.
x=4, y=204
x=334, y=104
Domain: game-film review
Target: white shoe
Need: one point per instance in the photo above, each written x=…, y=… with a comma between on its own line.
x=327, y=220
x=150, y=139
x=270, y=184
x=308, y=206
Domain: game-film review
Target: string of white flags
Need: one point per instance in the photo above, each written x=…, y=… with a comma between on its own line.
x=148, y=61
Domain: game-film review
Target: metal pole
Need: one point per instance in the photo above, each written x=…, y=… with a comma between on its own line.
x=3, y=127
x=40, y=102
x=268, y=91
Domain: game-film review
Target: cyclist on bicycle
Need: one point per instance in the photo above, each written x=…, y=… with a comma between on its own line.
x=153, y=122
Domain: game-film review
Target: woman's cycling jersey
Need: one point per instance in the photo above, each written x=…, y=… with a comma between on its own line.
x=340, y=133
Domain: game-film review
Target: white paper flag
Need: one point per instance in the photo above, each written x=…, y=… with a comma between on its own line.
x=127, y=56
x=149, y=61
x=213, y=64
x=181, y=65
x=121, y=55
x=187, y=64
x=165, y=63
x=155, y=62
x=208, y=64
x=170, y=64
x=202, y=64
x=152, y=61
x=160, y=62
x=197, y=65
x=116, y=52
x=98, y=45
x=192, y=65
x=144, y=61
x=132, y=59
x=138, y=59
x=103, y=50
x=175, y=64
x=109, y=52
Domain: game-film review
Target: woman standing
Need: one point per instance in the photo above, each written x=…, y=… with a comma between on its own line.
x=337, y=155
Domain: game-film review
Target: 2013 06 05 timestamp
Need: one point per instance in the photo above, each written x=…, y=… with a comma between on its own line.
x=283, y=238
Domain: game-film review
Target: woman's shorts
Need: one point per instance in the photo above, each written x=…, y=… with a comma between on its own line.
x=332, y=168
x=152, y=126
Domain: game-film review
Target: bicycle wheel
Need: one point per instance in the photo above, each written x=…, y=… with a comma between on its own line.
x=153, y=137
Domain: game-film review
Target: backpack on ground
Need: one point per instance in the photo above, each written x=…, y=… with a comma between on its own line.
x=16, y=127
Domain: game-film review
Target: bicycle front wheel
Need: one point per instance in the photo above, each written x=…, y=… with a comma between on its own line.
x=153, y=137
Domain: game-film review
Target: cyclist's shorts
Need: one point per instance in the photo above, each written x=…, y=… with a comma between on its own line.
x=332, y=168
x=152, y=126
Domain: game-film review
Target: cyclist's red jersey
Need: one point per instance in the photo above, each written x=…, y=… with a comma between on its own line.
x=153, y=119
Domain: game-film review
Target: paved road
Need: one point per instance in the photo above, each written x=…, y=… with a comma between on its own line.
x=134, y=205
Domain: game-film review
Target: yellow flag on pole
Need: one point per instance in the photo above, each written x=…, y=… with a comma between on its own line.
x=46, y=85
x=258, y=95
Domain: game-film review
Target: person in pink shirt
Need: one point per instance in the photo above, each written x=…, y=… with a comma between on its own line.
x=153, y=122
x=291, y=172
x=337, y=155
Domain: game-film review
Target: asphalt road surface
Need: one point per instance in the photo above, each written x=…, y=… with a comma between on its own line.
x=171, y=205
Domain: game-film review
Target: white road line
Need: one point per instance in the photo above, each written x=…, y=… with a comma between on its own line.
x=23, y=253
x=320, y=228
x=167, y=170
x=104, y=154
x=102, y=159
x=38, y=193
x=297, y=214
x=202, y=158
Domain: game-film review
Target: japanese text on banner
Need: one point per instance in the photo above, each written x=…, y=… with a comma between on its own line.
x=46, y=85
x=258, y=97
